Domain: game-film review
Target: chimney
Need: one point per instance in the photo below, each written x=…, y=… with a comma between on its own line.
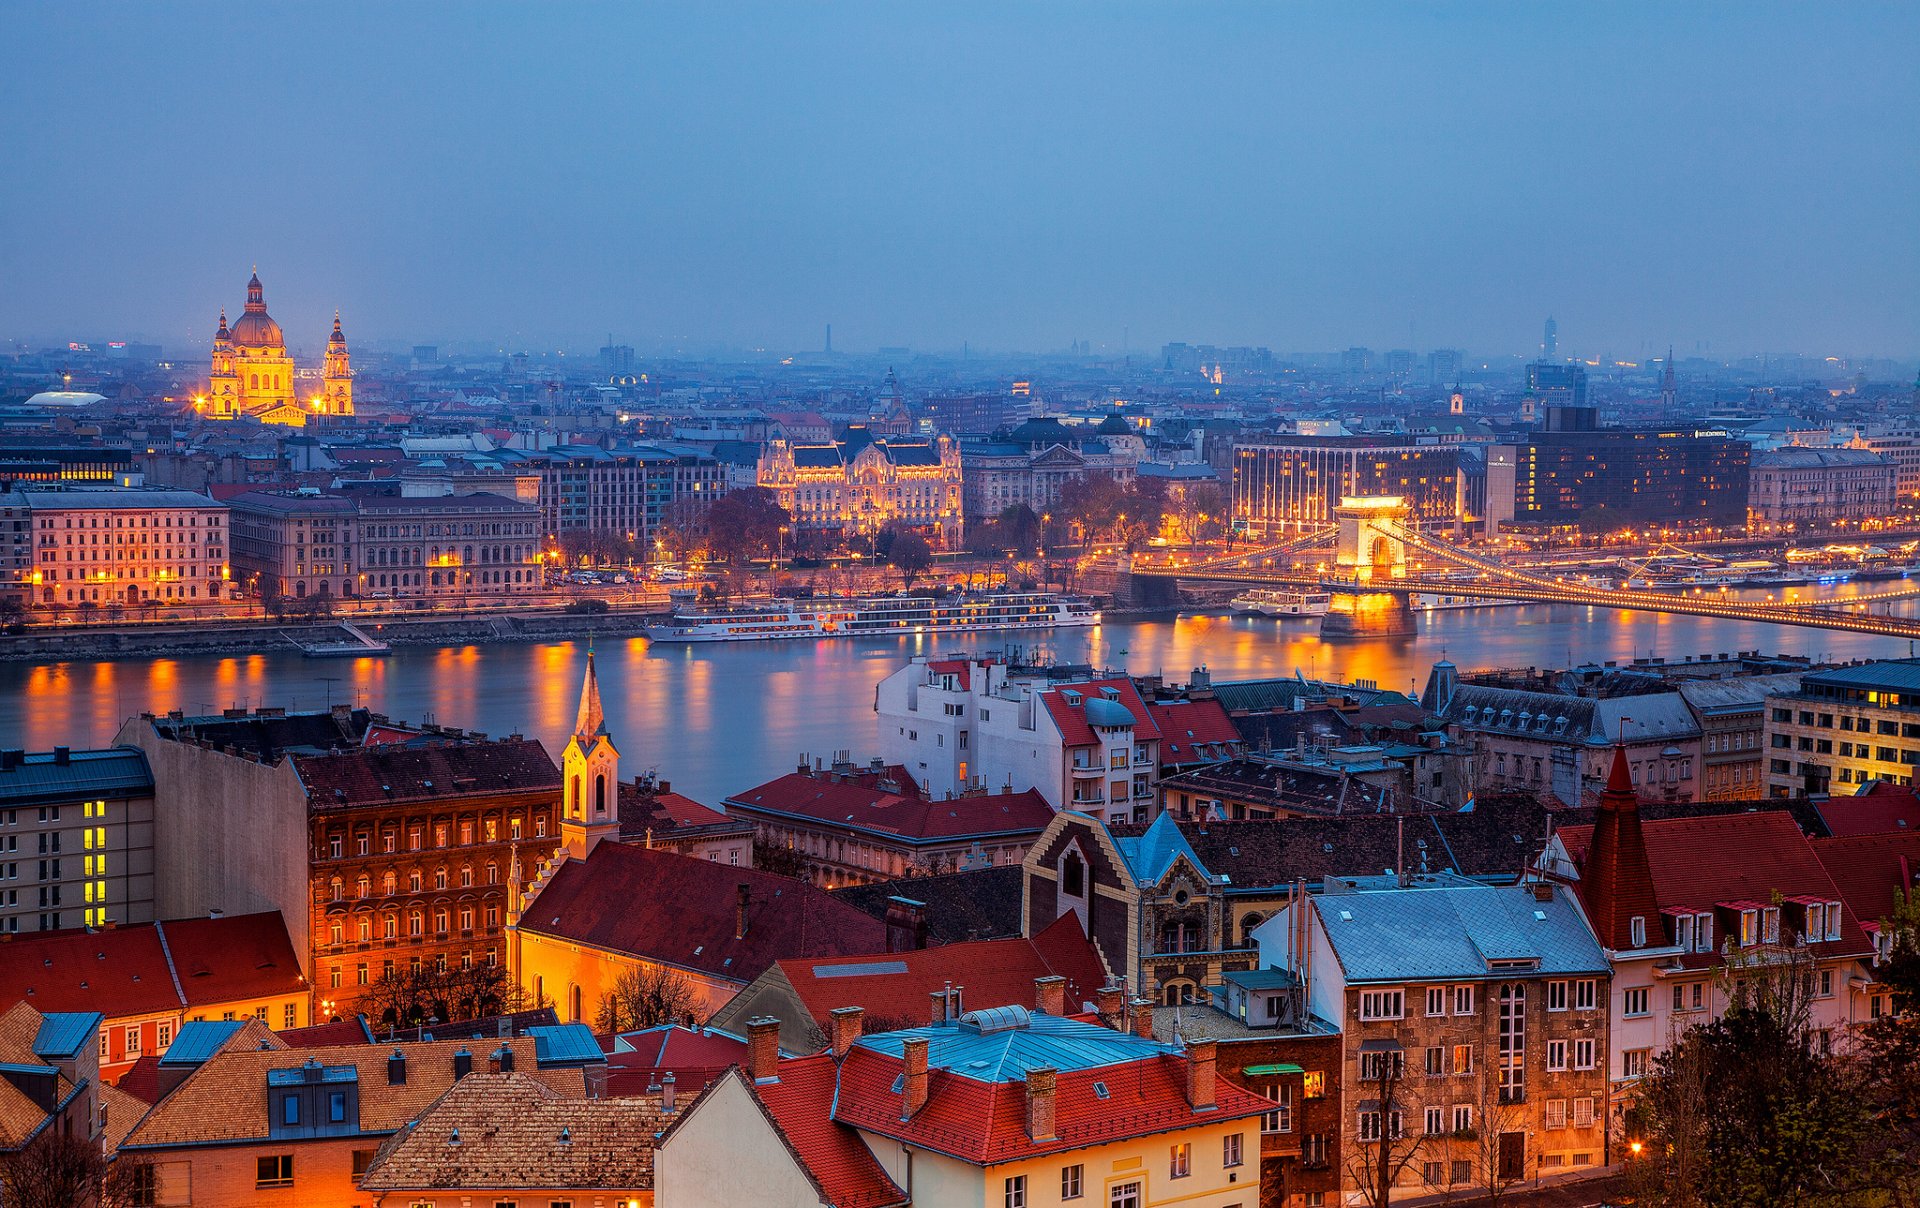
x=397, y=1069
x=666, y=1092
x=846, y=1028
x=743, y=896
x=914, y=1077
x=1111, y=1002
x=462, y=1063
x=1040, y=1082
x=506, y=1059
x=62, y=756
x=1200, y=1075
x=493, y=1062
x=763, y=1049
x=906, y=925
x=1143, y=1018
x=938, y=1013
x=1050, y=995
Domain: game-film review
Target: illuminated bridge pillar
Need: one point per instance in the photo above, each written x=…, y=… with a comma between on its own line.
x=1370, y=552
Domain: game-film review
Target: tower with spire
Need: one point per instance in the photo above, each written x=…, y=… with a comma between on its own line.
x=1616, y=883
x=336, y=375
x=223, y=384
x=590, y=776
x=1668, y=395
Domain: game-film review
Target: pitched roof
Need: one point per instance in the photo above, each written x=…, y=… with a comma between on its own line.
x=225, y=1098
x=799, y=1106
x=516, y=1131
x=976, y=1101
x=1150, y=854
x=1454, y=929
x=1881, y=808
x=1187, y=725
x=1867, y=869
x=694, y=1056
x=20, y=1116
x=888, y=804
x=1700, y=862
x=426, y=771
x=1617, y=883
x=681, y=910
x=996, y=973
x=1072, y=719
x=147, y=967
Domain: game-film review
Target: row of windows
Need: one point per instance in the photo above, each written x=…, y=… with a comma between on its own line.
x=1073, y=1178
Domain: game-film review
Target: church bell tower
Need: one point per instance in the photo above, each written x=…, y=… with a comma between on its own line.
x=590, y=776
x=336, y=374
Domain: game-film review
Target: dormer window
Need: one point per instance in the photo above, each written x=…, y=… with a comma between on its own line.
x=1637, y=931
x=1816, y=928
x=1749, y=927
x=1703, y=933
x=1833, y=920
x=1770, y=925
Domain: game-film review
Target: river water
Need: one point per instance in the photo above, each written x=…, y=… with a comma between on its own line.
x=718, y=718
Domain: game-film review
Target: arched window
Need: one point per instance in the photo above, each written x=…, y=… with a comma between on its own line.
x=1247, y=926
x=577, y=1014
x=1175, y=994
x=573, y=797
x=413, y=881
x=600, y=794
x=1073, y=876
x=387, y=884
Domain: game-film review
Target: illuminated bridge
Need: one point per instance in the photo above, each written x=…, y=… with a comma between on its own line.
x=1372, y=578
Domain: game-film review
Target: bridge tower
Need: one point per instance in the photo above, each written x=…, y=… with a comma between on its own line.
x=1370, y=551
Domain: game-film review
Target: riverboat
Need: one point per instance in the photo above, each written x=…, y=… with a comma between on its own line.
x=874, y=616
x=1283, y=602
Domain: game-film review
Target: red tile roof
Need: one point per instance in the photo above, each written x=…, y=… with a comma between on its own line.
x=1882, y=809
x=426, y=771
x=1185, y=725
x=321, y=1035
x=126, y=971
x=888, y=803
x=142, y=1079
x=1072, y=719
x=986, y=1122
x=995, y=973
x=681, y=910
x=1869, y=868
x=694, y=1056
x=833, y=1155
x=1699, y=863
x=1616, y=885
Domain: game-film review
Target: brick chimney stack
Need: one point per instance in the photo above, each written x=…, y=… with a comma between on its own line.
x=1050, y=994
x=763, y=1049
x=1200, y=1063
x=847, y=1023
x=1111, y=1001
x=913, y=1090
x=1040, y=1103
x=1143, y=1018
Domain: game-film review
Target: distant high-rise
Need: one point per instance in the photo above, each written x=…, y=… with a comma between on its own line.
x=1550, y=341
x=1444, y=364
x=616, y=360
x=829, y=347
x=1557, y=385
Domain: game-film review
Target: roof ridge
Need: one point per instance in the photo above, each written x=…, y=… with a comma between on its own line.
x=166, y=953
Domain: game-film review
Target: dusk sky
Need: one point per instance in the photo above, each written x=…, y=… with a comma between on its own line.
x=1733, y=178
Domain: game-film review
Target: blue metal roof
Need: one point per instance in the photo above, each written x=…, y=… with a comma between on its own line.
x=1894, y=675
x=1151, y=854
x=1006, y=1053
x=300, y=1075
x=567, y=1044
x=114, y=772
x=1455, y=931
x=64, y=1033
x=199, y=1039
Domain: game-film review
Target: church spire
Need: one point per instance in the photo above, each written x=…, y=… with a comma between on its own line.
x=592, y=720
x=1616, y=883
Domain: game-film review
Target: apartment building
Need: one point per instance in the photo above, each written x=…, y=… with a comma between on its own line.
x=631, y=490
x=102, y=546
x=293, y=543
x=1844, y=727
x=76, y=839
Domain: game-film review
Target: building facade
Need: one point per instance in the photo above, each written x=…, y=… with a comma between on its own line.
x=1820, y=486
x=446, y=546
x=1293, y=484
x=1843, y=728
x=857, y=486
x=100, y=547
x=629, y=490
x=76, y=839
x=293, y=544
x=1629, y=476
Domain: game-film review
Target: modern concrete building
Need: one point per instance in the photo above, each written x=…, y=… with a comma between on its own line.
x=76, y=839
x=1292, y=484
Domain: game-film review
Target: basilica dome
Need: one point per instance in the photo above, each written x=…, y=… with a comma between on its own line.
x=256, y=328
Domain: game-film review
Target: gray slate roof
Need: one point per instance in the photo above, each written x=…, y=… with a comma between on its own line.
x=114, y=772
x=1454, y=931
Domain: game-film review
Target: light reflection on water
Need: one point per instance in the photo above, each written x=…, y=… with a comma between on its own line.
x=719, y=718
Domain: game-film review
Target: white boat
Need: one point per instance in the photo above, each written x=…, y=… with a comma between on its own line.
x=1283, y=602
x=875, y=616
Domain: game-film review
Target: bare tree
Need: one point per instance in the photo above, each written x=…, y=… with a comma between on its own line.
x=60, y=1170
x=1492, y=1118
x=644, y=996
x=1383, y=1149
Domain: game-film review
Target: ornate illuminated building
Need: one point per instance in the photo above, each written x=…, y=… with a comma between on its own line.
x=252, y=374
x=860, y=485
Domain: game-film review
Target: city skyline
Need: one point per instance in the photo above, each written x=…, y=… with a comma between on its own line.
x=1002, y=178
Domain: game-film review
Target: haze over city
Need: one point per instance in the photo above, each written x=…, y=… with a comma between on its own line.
x=1731, y=179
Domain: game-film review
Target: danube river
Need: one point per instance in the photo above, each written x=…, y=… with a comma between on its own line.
x=718, y=718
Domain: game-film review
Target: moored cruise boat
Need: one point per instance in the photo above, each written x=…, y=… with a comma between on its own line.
x=1283, y=602
x=875, y=616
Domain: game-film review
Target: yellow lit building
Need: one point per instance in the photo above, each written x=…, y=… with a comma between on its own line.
x=253, y=375
x=859, y=485
x=101, y=546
